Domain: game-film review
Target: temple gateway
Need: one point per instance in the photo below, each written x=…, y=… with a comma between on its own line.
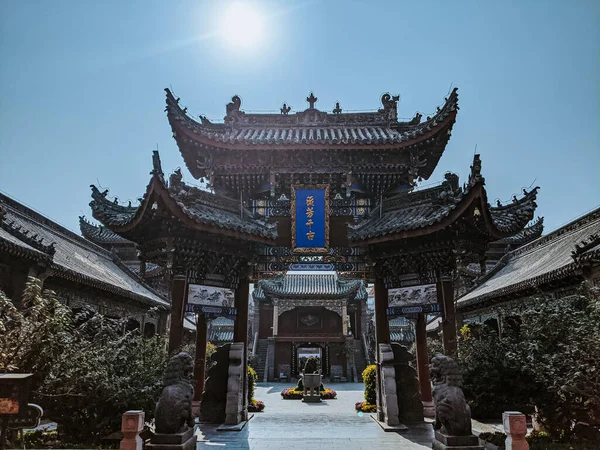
x=313, y=190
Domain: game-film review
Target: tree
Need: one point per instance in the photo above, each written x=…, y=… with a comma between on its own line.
x=87, y=372
x=551, y=361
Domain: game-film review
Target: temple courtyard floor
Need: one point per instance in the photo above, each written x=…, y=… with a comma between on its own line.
x=331, y=424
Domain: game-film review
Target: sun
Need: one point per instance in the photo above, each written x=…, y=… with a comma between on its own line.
x=242, y=25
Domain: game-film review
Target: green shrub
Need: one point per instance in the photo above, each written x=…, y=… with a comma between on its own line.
x=550, y=362
x=498, y=439
x=493, y=381
x=73, y=355
x=369, y=377
x=252, y=377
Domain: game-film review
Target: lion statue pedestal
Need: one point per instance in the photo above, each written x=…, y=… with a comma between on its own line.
x=174, y=418
x=452, y=413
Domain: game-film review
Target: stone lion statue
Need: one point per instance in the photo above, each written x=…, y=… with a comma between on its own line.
x=174, y=407
x=452, y=414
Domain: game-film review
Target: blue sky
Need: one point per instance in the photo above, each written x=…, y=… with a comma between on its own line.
x=82, y=84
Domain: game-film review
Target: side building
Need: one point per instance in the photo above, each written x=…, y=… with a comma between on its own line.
x=79, y=271
x=554, y=265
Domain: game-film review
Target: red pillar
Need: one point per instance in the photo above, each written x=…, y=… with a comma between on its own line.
x=200, y=363
x=178, y=300
x=240, y=331
x=445, y=297
x=422, y=359
x=382, y=334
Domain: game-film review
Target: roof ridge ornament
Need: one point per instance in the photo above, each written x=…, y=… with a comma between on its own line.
x=311, y=99
x=475, y=175
x=390, y=105
x=337, y=109
x=157, y=166
x=233, y=109
x=285, y=109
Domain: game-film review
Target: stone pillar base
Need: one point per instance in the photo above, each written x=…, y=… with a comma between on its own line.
x=235, y=411
x=178, y=441
x=429, y=409
x=443, y=442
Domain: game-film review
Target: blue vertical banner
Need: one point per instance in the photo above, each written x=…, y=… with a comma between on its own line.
x=310, y=219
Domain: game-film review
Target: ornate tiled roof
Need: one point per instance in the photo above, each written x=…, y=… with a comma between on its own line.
x=318, y=286
x=209, y=211
x=428, y=207
x=99, y=234
x=556, y=256
x=312, y=126
x=221, y=330
x=406, y=335
x=316, y=129
x=70, y=256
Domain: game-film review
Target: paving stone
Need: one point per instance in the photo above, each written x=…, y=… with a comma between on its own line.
x=331, y=425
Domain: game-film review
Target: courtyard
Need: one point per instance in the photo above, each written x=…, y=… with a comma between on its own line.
x=331, y=424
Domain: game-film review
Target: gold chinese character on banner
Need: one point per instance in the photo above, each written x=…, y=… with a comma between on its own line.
x=310, y=201
x=309, y=223
x=310, y=211
x=310, y=235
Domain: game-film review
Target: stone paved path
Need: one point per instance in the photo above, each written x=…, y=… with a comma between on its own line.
x=331, y=425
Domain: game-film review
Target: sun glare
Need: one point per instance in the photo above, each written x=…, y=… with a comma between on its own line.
x=242, y=25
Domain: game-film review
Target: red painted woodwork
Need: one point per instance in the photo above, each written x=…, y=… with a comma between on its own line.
x=200, y=363
x=178, y=300
x=329, y=323
x=265, y=327
x=422, y=359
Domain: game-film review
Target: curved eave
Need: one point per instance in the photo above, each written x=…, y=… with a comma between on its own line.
x=23, y=251
x=269, y=292
x=528, y=234
x=531, y=285
x=157, y=190
x=284, y=296
x=520, y=212
x=92, y=233
x=190, y=134
x=475, y=197
x=70, y=275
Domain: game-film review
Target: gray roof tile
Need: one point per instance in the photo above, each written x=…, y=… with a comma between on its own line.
x=310, y=285
x=76, y=256
x=311, y=126
x=201, y=206
x=546, y=259
x=426, y=207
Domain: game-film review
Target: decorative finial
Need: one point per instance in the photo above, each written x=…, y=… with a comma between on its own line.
x=157, y=166
x=498, y=203
x=234, y=106
x=475, y=176
x=337, y=109
x=389, y=102
x=205, y=120
x=285, y=109
x=311, y=101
